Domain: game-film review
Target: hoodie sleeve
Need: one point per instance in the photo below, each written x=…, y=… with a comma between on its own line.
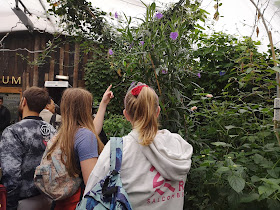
x=11, y=152
x=100, y=170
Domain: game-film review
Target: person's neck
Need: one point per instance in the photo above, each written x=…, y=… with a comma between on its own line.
x=29, y=113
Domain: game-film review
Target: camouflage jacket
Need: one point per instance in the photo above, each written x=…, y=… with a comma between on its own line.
x=21, y=148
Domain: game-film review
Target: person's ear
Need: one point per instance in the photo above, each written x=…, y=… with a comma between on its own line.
x=47, y=106
x=158, y=111
x=24, y=102
x=126, y=115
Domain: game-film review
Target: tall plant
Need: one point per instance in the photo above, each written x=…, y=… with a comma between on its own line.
x=158, y=53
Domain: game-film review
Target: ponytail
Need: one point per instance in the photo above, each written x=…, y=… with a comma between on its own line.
x=142, y=109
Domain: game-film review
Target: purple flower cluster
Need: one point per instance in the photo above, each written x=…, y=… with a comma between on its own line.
x=199, y=75
x=116, y=15
x=110, y=51
x=174, y=35
x=222, y=73
x=159, y=15
x=142, y=43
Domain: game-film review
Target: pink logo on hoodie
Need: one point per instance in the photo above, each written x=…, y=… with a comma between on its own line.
x=157, y=183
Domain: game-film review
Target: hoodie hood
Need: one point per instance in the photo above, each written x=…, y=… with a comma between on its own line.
x=169, y=153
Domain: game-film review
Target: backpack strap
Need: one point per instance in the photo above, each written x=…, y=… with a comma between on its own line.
x=116, y=148
x=53, y=120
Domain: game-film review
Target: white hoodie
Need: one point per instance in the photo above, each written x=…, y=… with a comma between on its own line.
x=153, y=176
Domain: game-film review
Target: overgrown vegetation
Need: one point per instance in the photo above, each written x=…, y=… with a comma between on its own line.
x=215, y=90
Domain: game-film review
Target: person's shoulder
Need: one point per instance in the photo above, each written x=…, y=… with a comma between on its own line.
x=11, y=131
x=48, y=125
x=14, y=126
x=45, y=112
x=36, y=123
x=84, y=131
x=58, y=118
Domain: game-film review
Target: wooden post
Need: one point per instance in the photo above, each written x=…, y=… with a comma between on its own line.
x=46, y=76
x=27, y=80
x=51, y=72
x=36, y=57
x=61, y=59
x=24, y=81
x=66, y=60
x=16, y=65
x=85, y=59
x=28, y=69
x=76, y=65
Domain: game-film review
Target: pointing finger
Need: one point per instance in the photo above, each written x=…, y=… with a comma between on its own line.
x=109, y=88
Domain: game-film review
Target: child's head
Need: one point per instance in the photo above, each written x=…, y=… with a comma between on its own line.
x=142, y=110
x=76, y=104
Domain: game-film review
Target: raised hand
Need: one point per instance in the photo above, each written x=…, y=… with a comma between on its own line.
x=107, y=96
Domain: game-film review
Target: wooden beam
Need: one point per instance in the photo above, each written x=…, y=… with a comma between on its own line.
x=51, y=72
x=66, y=59
x=24, y=81
x=46, y=76
x=76, y=65
x=61, y=59
x=27, y=80
x=36, y=57
x=28, y=70
x=85, y=60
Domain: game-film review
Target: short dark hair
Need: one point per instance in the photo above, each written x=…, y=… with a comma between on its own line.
x=37, y=98
x=1, y=98
x=49, y=100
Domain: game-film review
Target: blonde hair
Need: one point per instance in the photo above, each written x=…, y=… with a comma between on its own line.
x=142, y=110
x=76, y=112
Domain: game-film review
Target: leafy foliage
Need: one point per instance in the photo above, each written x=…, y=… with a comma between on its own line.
x=236, y=157
x=150, y=54
x=98, y=77
x=116, y=125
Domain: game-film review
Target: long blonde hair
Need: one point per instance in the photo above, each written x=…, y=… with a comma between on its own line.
x=76, y=112
x=142, y=110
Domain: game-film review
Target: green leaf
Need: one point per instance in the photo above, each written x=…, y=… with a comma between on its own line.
x=242, y=111
x=129, y=35
x=192, y=102
x=249, y=198
x=274, y=173
x=237, y=183
x=249, y=70
x=232, y=136
x=266, y=189
x=258, y=158
x=223, y=169
x=230, y=127
x=255, y=179
x=272, y=182
x=223, y=144
x=153, y=6
x=276, y=68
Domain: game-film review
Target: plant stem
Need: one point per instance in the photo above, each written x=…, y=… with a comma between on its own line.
x=159, y=89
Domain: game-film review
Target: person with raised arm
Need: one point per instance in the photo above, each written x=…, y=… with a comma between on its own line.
x=155, y=162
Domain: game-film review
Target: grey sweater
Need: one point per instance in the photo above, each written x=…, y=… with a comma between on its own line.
x=21, y=148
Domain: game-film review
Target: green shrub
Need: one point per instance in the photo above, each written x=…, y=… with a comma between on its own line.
x=116, y=125
x=236, y=155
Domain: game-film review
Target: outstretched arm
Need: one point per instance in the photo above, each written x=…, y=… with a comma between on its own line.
x=99, y=117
